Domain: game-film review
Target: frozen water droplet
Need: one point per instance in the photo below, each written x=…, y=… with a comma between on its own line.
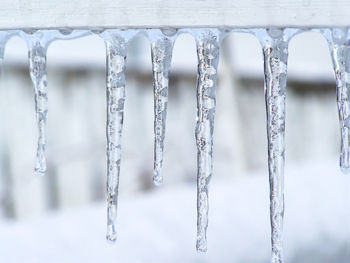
x=339, y=45
x=65, y=31
x=161, y=48
x=208, y=45
x=275, y=32
x=169, y=31
x=275, y=50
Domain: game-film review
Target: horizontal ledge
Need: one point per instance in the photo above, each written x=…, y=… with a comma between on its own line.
x=17, y=14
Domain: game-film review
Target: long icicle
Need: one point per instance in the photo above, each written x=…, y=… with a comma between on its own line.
x=208, y=44
x=116, y=48
x=161, y=48
x=37, y=67
x=339, y=44
x=275, y=49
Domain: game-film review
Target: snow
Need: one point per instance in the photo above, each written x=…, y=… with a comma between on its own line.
x=160, y=226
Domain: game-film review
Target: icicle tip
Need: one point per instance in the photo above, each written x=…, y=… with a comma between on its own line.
x=345, y=170
x=201, y=246
x=39, y=173
x=157, y=178
x=40, y=167
x=111, y=237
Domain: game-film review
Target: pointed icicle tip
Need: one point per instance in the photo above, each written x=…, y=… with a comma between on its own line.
x=201, y=245
x=111, y=235
x=157, y=178
x=40, y=166
x=345, y=170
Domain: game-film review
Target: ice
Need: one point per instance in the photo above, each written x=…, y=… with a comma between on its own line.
x=37, y=47
x=4, y=36
x=162, y=42
x=275, y=51
x=208, y=44
x=116, y=49
x=38, y=42
x=339, y=45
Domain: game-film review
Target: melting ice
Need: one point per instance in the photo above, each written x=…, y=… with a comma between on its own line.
x=38, y=42
x=339, y=44
x=275, y=51
x=37, y=46
x=116, y=49
x=208, y=44
x=162, y=43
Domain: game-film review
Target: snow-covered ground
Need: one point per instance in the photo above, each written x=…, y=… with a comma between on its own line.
x=159, y=226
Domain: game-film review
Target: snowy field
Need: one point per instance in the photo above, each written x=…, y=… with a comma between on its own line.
x=160, y=226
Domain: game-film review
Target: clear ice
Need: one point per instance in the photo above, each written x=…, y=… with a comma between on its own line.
x=208, y=44
x=116, y=49
x=38, y=42
x=339, y=44
x=275, y=51
x=37, y=67
x=162, y=43
x=4, y=36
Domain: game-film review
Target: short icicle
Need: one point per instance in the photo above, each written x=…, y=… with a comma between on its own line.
x=275, y=50
x=162, y=43
x=208, y=44
x=38, y=42
x=116, y=49
x=3, y=40
x=339, y=44
x=37, y=66
x=4, y=37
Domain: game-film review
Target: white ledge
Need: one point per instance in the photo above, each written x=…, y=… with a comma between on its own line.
x=16, y=14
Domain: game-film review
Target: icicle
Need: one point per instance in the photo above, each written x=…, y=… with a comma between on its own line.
x=339, y=44
x=275, y=49
x=161, y=48
x=38, y=42
x=116, y=48
x=4, y=36
x=37, y=67
x=3, y=40
x=208, y=43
